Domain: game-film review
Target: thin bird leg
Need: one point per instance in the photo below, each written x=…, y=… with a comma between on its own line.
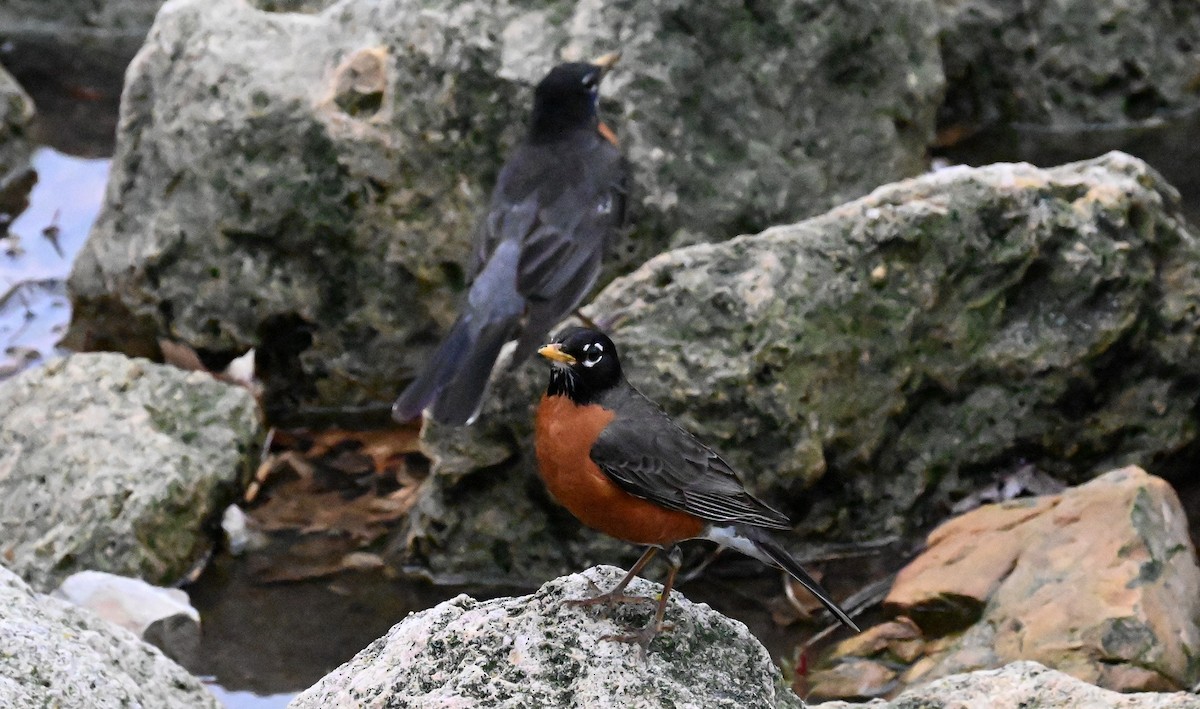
x=643, y=637
x=617, y=595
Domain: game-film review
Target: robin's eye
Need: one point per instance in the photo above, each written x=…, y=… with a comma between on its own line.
x=591, y=80
x=592, y=354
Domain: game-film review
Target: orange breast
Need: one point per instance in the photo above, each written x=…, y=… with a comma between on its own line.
x=563, y=437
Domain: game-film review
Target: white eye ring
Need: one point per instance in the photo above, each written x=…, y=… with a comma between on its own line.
x=589, y=80
x=588, y=348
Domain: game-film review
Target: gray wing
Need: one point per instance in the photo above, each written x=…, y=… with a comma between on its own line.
x=577, y=224
x=561, y=257
x=579, y=196
x=648, y=456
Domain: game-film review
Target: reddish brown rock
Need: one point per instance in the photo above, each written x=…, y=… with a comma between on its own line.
x=899, y=637
x=1021, y=685
x=966, y=560
x=1100, y=582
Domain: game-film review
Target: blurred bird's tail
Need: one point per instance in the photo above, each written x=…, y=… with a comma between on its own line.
x=441, y=369
x=453, y=383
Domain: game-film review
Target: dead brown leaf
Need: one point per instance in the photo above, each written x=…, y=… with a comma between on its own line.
x=324, y=495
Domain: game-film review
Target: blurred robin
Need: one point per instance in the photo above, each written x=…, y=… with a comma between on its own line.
x=557, y=207
x=613, y=458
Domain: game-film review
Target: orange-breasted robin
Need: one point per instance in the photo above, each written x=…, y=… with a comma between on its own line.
x=618, y=463
x=557, y=208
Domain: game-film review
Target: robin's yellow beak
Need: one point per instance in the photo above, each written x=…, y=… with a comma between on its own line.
x=554, y=353
x=606, y=62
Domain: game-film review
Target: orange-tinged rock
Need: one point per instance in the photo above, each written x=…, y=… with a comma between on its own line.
x=967, y=558
x=1100, y=582
x=1109, y=579
x=854, y=678
x=879, y=638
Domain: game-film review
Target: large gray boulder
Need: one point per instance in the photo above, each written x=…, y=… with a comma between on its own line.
x=899, y=351
x=307, y=183
x=57, y=655
x=536, y=651
x=116, y=464
x=16, y=174
x=1069, y=63
x=1021, y=685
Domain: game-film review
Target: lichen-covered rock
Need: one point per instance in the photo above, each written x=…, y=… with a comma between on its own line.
x=16, y=174
x=1021, y=685
x=535, y=651
x=1099, y=582
x=116, y=464
x=902, y=349
x=53, y=654
x=307, y=184
x=1069, y=63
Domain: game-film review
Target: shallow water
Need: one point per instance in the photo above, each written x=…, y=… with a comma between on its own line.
x=263, y=643
x=37, y=253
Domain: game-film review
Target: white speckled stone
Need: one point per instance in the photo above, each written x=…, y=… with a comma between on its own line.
x=533, y=651
x=1021, y=685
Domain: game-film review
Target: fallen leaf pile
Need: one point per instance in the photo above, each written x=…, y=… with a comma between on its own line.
x=323, y=497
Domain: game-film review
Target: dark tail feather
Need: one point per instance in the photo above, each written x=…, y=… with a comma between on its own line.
x=441, y=369
x=784, y=560
x=459, y=402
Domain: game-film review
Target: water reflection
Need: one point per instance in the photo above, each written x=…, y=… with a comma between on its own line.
x=249, y=700
x=36, y=255
x=263, y=641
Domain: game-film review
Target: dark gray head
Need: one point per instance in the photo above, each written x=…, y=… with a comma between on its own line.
x=566, y=98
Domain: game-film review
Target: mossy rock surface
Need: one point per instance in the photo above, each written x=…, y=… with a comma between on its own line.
x=115, y=464
x=867, y=368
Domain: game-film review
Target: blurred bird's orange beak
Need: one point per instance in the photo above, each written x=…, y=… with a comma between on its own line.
x=606, y=62
x=554, y=353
